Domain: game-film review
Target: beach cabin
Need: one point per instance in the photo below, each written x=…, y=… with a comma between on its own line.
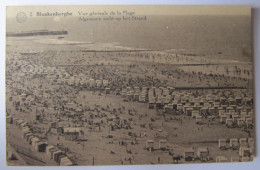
x=51, y=151
x=174, y=105
x=240, y=122
x=224, y=107
x=105, y=83
x=59, y=157
x=162, y=144
x=243, y=114
x=248, y=101
x=10, y=155
x=149, y=145
x=202, y=153
x=47, y=150
x=71, y=133
x=231, y=101
x=92, y=83
x=212, y=111
x=60, y=130
x=229, y=108
x=179, y=107
x=15, y=119
x=19, y=122
x=29, y=137
x=53, y=124
x=23, y=124
x=159, y=105
x=222, y=144
x=195, y=113
x=166, y=109
x=189, y=111
x=239, y=109
x=57, y=154
x=229, y=123
x=137, y=89
x=151, y=105
x=204, y=111
x=142, y=98
x=136, y=97
x=124, y=92
x=251, y=145
x=41, y=146
x=25, y=130
x=128, y=89
x=9, y=119
x=99, y=83
x=249, y=123
x=65, y=161
x=221, y=113
x=251, y=142
x=244, y=152
x=189, y=154
x=235, y=118
x=34, y=141
x=171, y=106
x=234, y=144
x=243, y=142
x=223, y=119
x=221, y=159
x=117, y=92
x=107, y=90
x=247, y=158
x=198, y=119
x=235, y=159
x=27, y=134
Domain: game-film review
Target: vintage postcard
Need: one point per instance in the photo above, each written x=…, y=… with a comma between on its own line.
x=128, y=85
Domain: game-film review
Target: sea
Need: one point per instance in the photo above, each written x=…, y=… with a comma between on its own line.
x=226, y=37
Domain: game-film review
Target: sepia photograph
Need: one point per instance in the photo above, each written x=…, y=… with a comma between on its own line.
x=129, y=85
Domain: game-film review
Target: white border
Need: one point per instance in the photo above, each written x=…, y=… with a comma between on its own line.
x=255, y=4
